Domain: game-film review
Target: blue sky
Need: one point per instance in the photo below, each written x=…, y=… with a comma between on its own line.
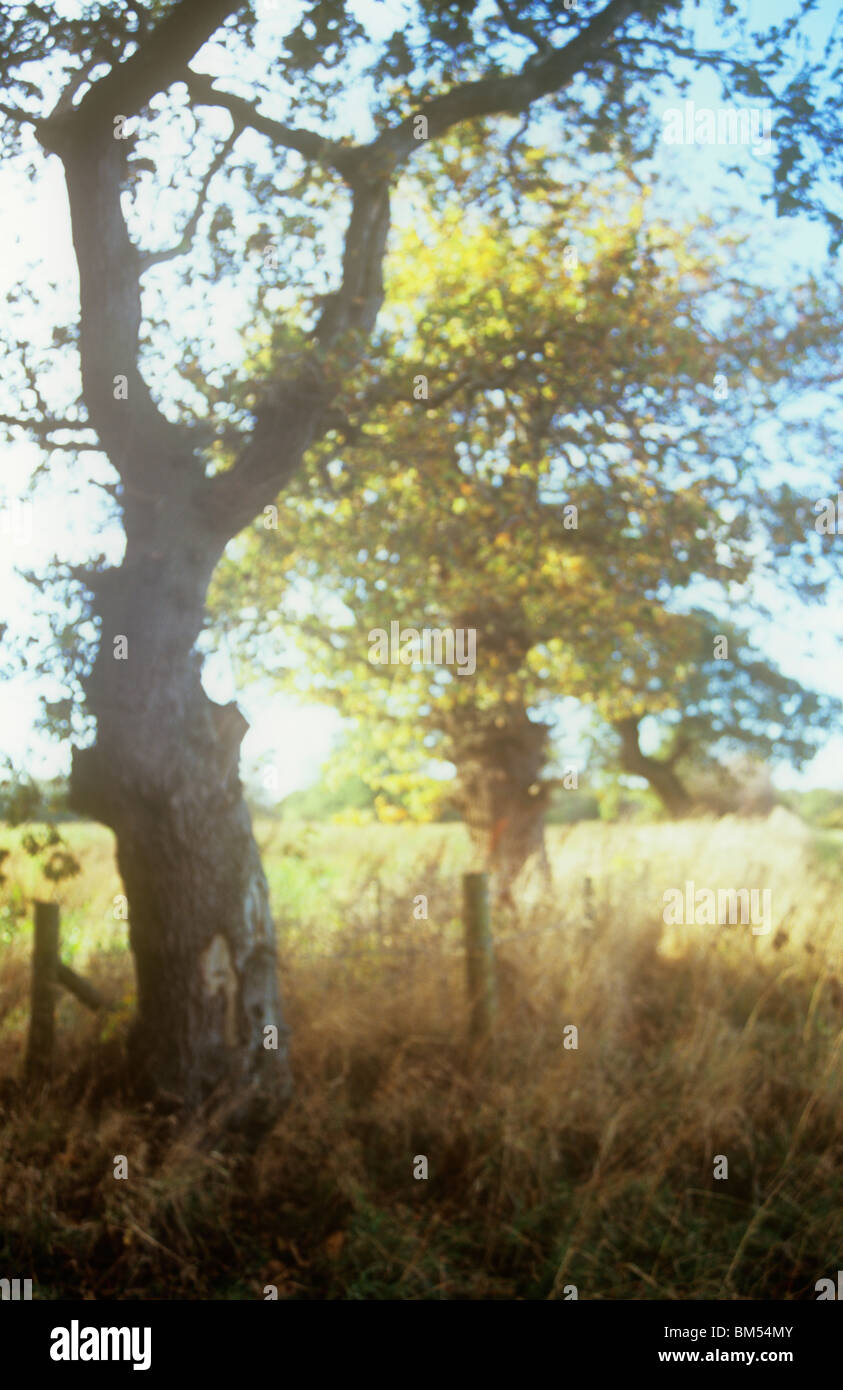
x=68, y=517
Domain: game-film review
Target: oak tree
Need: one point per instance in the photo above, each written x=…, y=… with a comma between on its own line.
x=216, y=155
x=542, y=504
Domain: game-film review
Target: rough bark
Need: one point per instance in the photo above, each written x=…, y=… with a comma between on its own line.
x=503, y=800
x=660, y=773
x=163, y=775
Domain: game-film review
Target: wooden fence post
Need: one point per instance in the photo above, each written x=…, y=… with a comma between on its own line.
x=45, y=961
x=479, y=957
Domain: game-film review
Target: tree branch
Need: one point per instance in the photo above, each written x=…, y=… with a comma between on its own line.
x=151, y=258
x=355, y=305
x=658, y=772
x=517, y=25
x=492, y=96
x=307, y=143
x=15, y=114
x=42, y=428
x=159, y=60
x=288, y=423
x=133, y=430
x=707, y=58
x=486, y=97
x=289, y=420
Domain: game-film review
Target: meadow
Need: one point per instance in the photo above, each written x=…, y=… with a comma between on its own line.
x=550, y=1168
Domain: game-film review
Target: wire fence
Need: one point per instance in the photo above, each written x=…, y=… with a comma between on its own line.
x=379, y=945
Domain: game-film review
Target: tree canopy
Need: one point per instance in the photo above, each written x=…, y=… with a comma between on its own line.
x=558, y=481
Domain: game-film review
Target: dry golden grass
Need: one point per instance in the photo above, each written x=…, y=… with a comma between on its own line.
x=548, y=1166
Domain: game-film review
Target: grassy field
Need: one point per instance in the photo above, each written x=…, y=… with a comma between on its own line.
x=549, y=1167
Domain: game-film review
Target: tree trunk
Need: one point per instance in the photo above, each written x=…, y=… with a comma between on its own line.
x=163, y=775
x=659, y=773
x=503, y=800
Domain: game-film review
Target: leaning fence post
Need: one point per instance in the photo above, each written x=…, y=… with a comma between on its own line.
x=479, y=956
x=45, y=960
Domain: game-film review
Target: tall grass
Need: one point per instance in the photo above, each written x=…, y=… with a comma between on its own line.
x=549, y=1167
